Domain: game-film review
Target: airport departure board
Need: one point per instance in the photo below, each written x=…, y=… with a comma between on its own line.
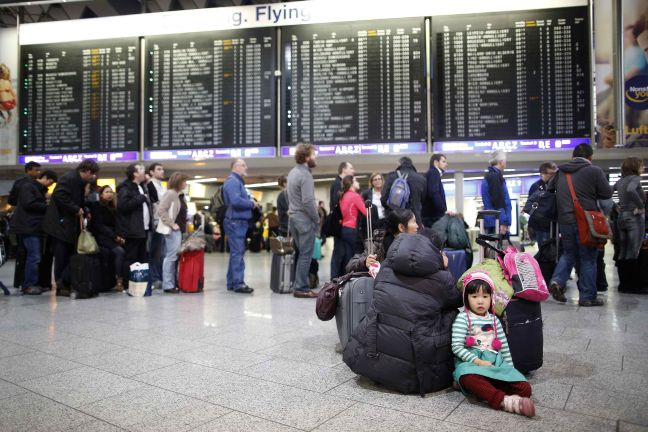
x=214, y=89
x=354, y=83
x=80, y=97
x=518, y=75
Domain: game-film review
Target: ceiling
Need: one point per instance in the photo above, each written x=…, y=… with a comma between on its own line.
x=60, y=10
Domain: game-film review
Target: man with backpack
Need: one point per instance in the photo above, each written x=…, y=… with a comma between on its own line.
x=405, y=188
x=540, y=206
x=344, y=169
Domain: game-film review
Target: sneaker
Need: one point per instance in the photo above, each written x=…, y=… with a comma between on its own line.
x=590, y=303
x=244, y=290
x=527, y=407
x=557, y=292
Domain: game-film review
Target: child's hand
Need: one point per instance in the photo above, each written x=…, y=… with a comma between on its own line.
x=480, y=362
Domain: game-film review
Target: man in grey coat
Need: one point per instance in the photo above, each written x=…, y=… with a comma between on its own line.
x=303, y=215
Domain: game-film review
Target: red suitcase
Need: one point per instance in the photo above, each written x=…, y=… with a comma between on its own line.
x=191, y=272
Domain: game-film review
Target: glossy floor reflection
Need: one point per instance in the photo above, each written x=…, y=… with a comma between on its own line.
x=220, y=361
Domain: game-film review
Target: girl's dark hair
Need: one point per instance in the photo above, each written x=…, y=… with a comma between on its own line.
x=396, y=217
x=347, y=182
x=473, y=287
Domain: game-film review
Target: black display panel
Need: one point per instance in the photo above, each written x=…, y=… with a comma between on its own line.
x=360, y=82
x=80, y=97
x=212, y=89
x=518, y=75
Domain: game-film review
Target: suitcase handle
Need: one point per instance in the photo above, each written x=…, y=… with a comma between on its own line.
x=482, y=240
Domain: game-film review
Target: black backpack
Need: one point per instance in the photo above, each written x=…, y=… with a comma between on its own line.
x=217, y=206
x=541, y=208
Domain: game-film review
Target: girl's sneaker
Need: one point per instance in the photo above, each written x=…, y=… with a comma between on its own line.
x=527, y=407
x=519, y=405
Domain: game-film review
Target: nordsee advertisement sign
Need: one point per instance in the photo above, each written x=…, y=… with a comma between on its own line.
x=636, y=92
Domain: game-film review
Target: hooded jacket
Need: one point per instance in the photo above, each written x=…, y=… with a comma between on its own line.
x=404, y=341
x=590, y=185
x=418, y=189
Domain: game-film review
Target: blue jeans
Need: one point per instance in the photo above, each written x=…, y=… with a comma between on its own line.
x=303, y=232
x=169, y=266
x=541, y=237
x=631, y=235
x=236, y=229
x=573, y=251
x=33, y=247
x=156, y=255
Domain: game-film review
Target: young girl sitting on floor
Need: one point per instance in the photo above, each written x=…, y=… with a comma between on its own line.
x=483, y=364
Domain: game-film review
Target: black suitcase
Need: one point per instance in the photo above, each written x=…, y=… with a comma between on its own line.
x=633, y=277
x=85, y=276
x=282, y=273
x=522, y=322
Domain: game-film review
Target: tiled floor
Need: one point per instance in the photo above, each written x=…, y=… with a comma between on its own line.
x=219, y=361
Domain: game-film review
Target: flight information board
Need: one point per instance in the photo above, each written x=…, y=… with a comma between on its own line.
x=80, y=97
x=211, y=90
x=354, y=83
x=521, y=76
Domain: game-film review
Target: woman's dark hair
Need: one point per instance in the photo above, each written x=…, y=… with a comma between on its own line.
x=631, y=166
x=347, y=182
x=473, y=287
x=110, y=203
x=397, y=217
x=432, y=236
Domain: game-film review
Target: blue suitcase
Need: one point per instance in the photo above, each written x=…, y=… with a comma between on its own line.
x=457, y=262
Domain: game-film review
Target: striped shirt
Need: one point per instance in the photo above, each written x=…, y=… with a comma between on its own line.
x=483, y=334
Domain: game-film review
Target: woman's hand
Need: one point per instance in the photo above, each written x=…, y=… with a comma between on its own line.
x=371, y=259
x=445, y=260
x=480, y=362
x=175, y=227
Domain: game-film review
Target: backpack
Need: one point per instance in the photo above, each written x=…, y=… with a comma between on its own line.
x=541, y=208
x=217, y=206
x=456, y=237
x=399, y=193
x=524, y=274
x=333, y=223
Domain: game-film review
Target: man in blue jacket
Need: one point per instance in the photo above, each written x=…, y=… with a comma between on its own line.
x=495, y=193
x=434, y=205
x=237, y=218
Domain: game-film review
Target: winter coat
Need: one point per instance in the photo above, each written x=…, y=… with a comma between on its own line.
x=418, y=188
x=381, y=242
x=239, y=204
x=28, y=218
x=434, y=205
x=590, y=185
x=496, y=197
x=282, y=212
x=404, y=341
x=61, y=217
x=102, y=225
x=130, y=210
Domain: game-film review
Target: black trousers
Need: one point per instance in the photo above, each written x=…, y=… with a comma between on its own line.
x=135, y=249
x=63, y=251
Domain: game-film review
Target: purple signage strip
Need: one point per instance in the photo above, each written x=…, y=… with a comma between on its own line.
x=362, y=149
x=78, y=157
x=211, y=153
x=509, y=145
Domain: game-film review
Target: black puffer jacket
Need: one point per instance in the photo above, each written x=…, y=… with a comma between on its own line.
x=61, y=217
x=130, y=210
x=404, y=341
x=30, y=212
x=418, y=190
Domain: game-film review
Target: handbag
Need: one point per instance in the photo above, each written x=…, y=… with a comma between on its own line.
x=86, y=244
x=138, y=280
x=163, y=228
x=327, y=298
x=593, y=227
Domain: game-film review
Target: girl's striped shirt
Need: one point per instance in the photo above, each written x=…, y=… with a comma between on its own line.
x=482, y=332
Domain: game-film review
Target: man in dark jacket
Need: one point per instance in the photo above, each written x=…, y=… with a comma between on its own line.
x=495, y=194
x=237, y=218
x=541, y=228
x=434, y=205
x=27, y=223
x=590, y=185
x=134, y=217
x=155, y=190
x=344, y=169
x=417, y=185
x=62, y=218
x=282, y=207
x=404, y=341
x=32, y=172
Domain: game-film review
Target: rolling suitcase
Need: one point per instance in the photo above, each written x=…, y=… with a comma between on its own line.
x=86, y=278
x=457, y=262
x=522, y=322
x=354, y=299
x=282, y=273
x=191, y=271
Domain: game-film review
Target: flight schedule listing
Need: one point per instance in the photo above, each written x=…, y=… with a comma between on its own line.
x=360, y=82
x=211, y=90
x=80, y=96
x=512, y=75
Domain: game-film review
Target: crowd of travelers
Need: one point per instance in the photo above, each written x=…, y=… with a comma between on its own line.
x=415, y=296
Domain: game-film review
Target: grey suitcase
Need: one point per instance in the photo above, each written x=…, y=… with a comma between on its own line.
x=354, y=299
x=282, y=273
